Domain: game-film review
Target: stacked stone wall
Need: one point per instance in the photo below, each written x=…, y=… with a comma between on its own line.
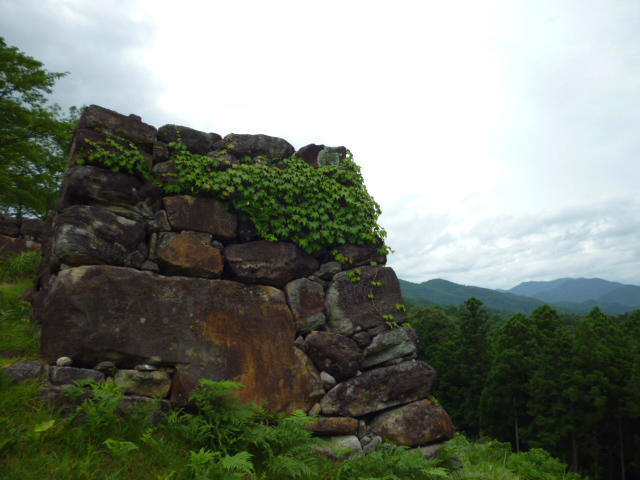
x=157, y=291
x=19, y=235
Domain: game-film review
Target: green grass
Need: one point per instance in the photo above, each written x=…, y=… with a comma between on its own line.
x=225, y=440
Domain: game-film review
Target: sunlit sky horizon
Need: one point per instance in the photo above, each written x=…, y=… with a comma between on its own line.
x=501, y=138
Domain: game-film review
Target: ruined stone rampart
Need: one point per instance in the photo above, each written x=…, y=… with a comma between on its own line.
x=160, y=290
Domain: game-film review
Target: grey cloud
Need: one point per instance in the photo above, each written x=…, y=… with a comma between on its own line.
x=99, y=47
x=500, y=252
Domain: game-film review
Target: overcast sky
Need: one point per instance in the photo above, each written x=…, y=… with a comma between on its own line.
x=501, y=138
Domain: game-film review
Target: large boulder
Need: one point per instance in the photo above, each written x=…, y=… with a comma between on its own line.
x=419, y=423
x=202, y=215
x=320, y=156
x=196, y=141
x=86, y=235
x=349, y=303
x=189, y=253
x=380, y=389
x=242, y=145
x=155, y=383
x=268, y=263
x=98, y=123
x=306, y=299
x=215, y=329
x=389, y=345
x=333, y=353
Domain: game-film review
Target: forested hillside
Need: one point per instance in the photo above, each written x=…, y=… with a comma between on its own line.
x=541, y=380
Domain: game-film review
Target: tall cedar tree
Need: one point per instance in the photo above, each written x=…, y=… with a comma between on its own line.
x=506, y=393
x=33, y=135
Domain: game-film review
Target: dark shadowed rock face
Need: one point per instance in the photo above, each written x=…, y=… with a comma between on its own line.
x=349, y=307
x=86, y=185
x=419, y=423
x=306, y=299
x=202, y=215
x=85, y=235
x=268, y=263
x=189, y=253
x=334, y=426
x=379, y=389
x=335, y=354
x=195, y=140
x=241, y=145
x=213, y=329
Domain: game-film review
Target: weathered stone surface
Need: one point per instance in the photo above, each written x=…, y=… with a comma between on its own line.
x=370, y=443
x=334, y=426
x=153, y=383
x=108, y=122
x=431, y=451
x=195, y=140
x=389, y=345
x=86, y=235
x=419, y=423
x=350, y=309
x=32, y=228
x=64, y=362
x=120, y=193
x=202, y=215
x=14, y=246
x=67, y=375
x=339, y=447
x=309, y=153
x=359, y=255
x=331, y=156
x=328, y=380
x=21, y=371
x=268, y=263
x=379, y=389
x=9, y=226
x=319, y=155
x=155, y=409
x=328, y=270
x=87, y=185
x=160, y=152
x=241, y=145
x=333, y=353
x=306, y=300
x=214, y=329
x=189, y=253
x=107, y=367
x=363, y=339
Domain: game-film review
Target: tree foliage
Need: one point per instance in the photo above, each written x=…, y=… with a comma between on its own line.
x=33, y=135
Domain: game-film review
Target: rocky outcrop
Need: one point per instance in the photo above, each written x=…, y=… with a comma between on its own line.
x=155, y=291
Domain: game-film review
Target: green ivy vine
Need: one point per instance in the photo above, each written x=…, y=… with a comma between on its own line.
x=286, y=199
x=118, y=154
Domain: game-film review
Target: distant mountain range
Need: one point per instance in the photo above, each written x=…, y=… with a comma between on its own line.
x=574, y=295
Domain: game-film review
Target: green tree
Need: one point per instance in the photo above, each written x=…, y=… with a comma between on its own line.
x=506, y=394
x=33, y=135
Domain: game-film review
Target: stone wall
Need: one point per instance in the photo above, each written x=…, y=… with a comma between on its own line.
x=169, y=289
x=20, y=235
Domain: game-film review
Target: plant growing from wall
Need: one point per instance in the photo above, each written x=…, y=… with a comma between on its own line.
x=118, y=155
x=286, y=199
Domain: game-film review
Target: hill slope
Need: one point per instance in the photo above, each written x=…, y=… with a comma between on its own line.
x=565, y=294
